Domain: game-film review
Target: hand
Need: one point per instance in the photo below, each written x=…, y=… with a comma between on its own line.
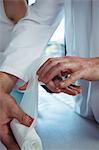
x=8, y=111
x=75, y=68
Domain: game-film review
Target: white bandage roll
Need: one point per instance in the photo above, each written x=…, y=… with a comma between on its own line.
x=27, y=138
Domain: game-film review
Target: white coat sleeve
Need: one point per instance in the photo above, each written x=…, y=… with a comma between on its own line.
x=30, y=36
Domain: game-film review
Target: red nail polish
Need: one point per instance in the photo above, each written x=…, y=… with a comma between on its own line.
x=31, y=121
x=28, y=120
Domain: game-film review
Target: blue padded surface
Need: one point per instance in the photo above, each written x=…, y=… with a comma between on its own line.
x=61, y=129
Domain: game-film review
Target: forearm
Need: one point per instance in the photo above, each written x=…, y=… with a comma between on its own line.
x=15, y=9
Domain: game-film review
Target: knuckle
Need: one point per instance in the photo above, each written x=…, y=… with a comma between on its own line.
x=59, y=64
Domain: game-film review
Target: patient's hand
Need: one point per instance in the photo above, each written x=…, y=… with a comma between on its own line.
x=8, y=111
x=75, y=68
x=54, y=86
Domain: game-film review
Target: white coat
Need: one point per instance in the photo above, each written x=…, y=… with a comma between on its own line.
x=30, y=36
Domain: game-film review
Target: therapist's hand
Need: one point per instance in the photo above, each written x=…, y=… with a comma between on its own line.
x=8, y=111
x=74, y=68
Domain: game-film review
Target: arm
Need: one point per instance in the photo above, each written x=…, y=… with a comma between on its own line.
x=30, y=36
x=15, y=10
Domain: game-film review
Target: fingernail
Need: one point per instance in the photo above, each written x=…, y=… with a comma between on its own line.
x=28, y=120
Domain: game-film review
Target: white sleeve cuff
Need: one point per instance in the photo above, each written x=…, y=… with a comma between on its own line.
x=29, y=38
x=13, y=71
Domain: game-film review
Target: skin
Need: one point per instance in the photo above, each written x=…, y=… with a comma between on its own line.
x=15, y=9
x=9, y=110
x=75, y=68
x=8, y=106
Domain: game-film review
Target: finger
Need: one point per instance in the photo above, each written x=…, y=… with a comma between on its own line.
x=76, y=88
x=14, y=111
x=51, y=85
x=57, y=70
x=8, y=139
x=57, y=80
x=48, y=65
x=69, y=91
x=68, y=63
x=45, y=67
x=71, y=79
x=22, y=88
x=22, y=117
x=52, y=73
x=42, y=67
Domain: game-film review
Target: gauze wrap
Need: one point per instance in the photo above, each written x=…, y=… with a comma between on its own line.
x=27, y=138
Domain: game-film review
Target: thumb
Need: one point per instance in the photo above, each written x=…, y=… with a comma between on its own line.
x=21, y=116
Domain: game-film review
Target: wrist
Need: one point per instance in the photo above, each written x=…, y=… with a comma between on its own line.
x=7, y=82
